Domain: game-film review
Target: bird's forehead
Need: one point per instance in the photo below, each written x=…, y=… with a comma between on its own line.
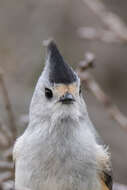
x=62, y=88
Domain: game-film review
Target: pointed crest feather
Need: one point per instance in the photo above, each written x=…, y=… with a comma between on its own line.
x=59, y=71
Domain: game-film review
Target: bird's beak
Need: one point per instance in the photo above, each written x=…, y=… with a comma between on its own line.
x=67, y=98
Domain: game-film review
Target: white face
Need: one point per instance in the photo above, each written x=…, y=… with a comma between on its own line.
x=57, y=101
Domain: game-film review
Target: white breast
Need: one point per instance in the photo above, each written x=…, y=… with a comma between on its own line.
x=56, y=161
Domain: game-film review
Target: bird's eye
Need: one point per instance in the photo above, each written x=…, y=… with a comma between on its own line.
x=48, y=93
x=80, y=90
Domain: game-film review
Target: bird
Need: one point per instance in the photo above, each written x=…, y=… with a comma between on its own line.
x=60, y=149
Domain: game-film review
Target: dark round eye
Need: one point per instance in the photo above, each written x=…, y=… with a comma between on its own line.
x=80, y=90
x=48, y=93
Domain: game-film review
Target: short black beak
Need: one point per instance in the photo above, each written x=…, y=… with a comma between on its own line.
x=67, y=98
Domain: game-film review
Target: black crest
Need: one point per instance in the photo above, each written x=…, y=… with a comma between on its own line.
x=59, y=71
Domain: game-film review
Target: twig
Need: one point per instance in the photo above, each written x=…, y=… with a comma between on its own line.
x=10, y=186
x=6, y=176
x=4, y=144
x=88, y=61
x=6, y=166
x=8, y=107
x=4, y=130
x=96, y=90
x=110, y=20
x=8, y=134
x=91, y=33
x=117, y=186
x=7, y=155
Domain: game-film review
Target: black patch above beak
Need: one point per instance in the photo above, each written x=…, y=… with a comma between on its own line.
x=67, y=98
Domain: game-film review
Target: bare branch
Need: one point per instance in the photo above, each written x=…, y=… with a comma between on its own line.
x=5, y=176
x=10, y=186
x=4, y=136
x=96, y=90
x=3, y=142
x=8, y=107
x=6, y=166
x=118, y=186
x=7, y=136
x=91, y=33
x=7, y=154
x=5, y=131
x=88, y=62
x=110, y=20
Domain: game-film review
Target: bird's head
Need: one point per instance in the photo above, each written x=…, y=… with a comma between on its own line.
x=58, y=91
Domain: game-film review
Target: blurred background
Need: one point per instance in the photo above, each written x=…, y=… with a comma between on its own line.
x=23, y=27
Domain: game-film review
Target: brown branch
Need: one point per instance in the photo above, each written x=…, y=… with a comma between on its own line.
x=92, y=33
x=5, y=131
x=7, y=155
x=4, y=137
x=88, y=62
x=10, y=186
x=6, y=166
x=96, y=90
x=113, y=22
x=117, y=186
x=7, y=185
x=3, y=142
x=5, y=176
x=11, y=120
x=7, y=136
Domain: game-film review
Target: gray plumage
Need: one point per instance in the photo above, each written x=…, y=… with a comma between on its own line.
x=59, y=149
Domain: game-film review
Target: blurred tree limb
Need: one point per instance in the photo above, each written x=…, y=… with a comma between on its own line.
x=8, y=135
x=97, y=91
x=11, y=119
x=116, y=29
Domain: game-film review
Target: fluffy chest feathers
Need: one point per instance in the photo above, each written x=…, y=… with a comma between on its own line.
x=61, y=159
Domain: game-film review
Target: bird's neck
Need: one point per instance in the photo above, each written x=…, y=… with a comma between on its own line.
x=61, y=126
x=64, y=126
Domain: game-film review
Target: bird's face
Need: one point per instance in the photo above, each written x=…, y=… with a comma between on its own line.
x=60, y=100
x=63, y=94
x=58, y=91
